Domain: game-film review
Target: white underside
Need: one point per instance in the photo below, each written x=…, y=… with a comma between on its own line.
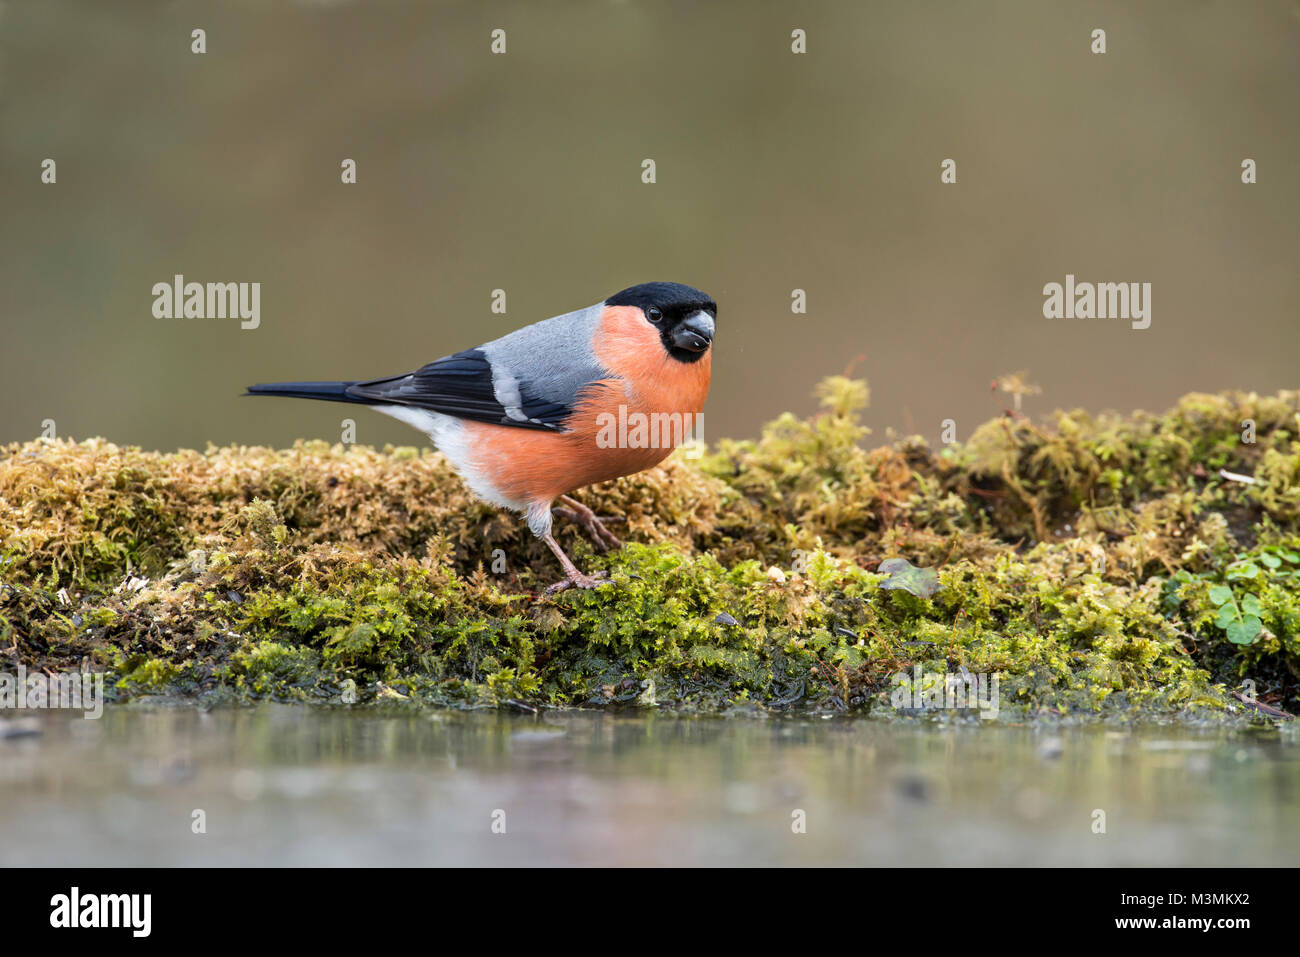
x=448, y=434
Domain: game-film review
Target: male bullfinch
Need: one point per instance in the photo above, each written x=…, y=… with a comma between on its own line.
x=524, y=419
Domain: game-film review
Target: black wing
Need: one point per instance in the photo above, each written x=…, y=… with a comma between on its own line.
x=462, y=385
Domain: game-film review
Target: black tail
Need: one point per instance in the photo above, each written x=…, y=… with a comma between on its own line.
x=329, y=391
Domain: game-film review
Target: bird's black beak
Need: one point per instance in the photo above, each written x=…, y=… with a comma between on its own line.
x=694, y=333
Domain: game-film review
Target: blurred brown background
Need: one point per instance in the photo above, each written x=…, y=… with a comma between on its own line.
x=775, y=171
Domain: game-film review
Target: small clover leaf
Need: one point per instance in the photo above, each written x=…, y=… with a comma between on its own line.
x=1220, y=593
x=1245, y=631
x=921, y=582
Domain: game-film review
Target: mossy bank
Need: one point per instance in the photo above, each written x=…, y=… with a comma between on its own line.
x=1119, y=565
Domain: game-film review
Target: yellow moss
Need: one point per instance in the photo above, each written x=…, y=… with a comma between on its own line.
x=1078, y=557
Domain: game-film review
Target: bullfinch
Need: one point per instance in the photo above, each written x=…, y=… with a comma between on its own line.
x=529, y=417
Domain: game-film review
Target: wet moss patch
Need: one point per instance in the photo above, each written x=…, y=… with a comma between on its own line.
x=1139, y=564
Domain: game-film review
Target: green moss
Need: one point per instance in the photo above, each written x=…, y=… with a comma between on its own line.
x=272, y=668
x=1096, y=564
x=148, y=675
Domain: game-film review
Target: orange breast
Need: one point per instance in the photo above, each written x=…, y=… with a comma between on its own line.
x=624, y=424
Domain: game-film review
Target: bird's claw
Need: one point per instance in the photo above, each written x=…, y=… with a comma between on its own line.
x=579, y=581
x=591, y=523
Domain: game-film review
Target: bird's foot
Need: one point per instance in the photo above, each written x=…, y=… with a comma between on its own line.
x=578, y=580
x=592, y=524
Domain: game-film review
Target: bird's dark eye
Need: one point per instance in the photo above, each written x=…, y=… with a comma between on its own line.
x=654, y=314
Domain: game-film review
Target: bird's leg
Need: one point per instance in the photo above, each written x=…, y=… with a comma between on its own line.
x=590, y=522
x=572, y=577
x=539, y=521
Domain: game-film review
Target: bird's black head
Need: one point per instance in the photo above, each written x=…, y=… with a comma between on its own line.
x=684, y=316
